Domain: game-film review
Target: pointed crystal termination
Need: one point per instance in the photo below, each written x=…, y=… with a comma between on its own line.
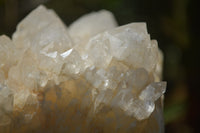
x=85, y=27
x=90, y=77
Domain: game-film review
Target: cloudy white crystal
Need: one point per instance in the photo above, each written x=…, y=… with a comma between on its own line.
x=6, y=105
x=85, y=27
x=122, y=66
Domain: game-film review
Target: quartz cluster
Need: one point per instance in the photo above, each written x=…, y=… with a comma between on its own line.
x=90, y=77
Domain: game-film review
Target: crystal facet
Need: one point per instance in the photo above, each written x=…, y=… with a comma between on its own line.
x=92, y=77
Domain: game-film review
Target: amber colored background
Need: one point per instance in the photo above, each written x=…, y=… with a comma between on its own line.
x=174, y=23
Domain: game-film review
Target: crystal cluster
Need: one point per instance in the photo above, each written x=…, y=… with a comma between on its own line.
x=90, y=77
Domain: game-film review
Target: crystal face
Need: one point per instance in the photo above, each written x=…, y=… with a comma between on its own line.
x=90, y=77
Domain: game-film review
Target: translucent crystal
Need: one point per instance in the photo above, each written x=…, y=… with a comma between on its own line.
x=46, y=39
x=6, y=105
x=72, y=63
x=92, y=77
x=43, y=30
x=129, y=43
x=85, y=27
x=153, y=91
x=8, y=54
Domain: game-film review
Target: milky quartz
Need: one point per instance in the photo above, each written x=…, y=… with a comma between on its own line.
x=90, y=77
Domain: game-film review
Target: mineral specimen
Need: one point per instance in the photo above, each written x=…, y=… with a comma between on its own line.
x=90, y=77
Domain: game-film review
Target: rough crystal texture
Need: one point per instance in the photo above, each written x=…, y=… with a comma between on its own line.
x=94, y=77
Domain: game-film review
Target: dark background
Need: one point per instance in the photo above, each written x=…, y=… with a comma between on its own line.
x=174, y=23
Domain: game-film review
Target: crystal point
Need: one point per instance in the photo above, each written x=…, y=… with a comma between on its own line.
x=90, y=77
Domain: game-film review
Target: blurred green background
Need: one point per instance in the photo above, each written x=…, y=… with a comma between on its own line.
x=174, y=23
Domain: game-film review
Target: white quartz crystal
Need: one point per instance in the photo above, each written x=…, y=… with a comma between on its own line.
x=46, y=39
x=6, y=105
x=91, y=24
x=95, y=66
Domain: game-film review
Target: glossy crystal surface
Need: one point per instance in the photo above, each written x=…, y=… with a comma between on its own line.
x=90, y=77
